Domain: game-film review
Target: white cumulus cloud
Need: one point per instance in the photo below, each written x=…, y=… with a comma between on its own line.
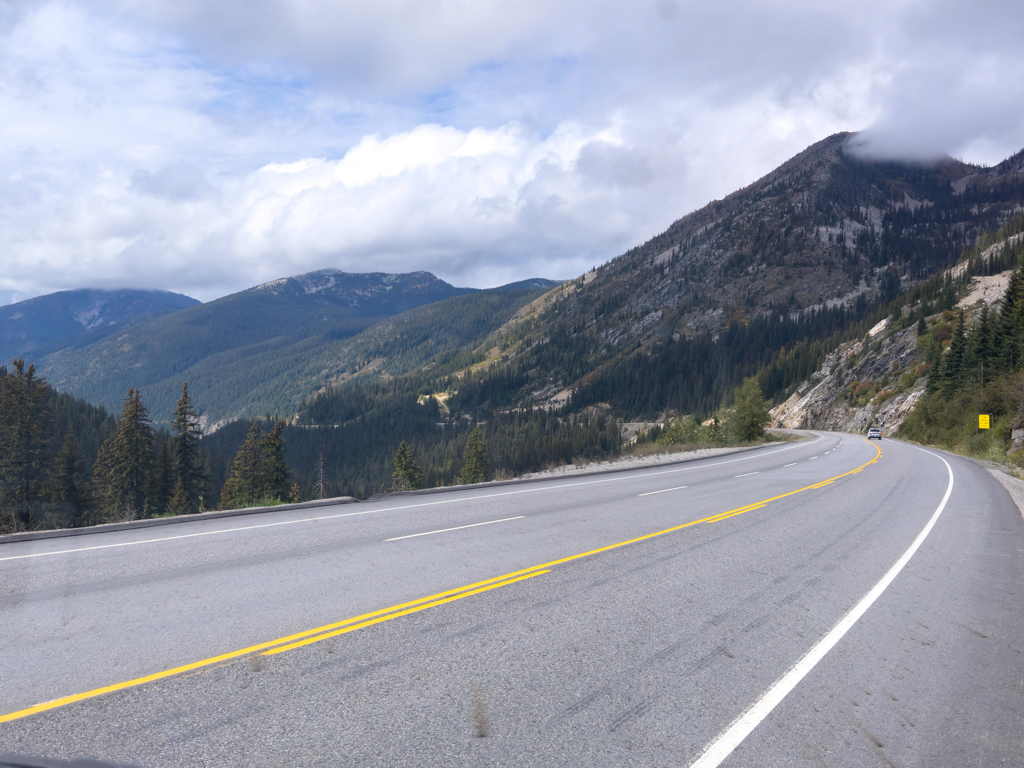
x=205, y=147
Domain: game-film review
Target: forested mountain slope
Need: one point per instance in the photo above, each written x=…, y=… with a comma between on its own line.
x=58, y=320
x=768, y=278
x=258, y=351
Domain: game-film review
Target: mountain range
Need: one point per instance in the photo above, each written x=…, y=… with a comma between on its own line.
x=262, y=350
x=763, y=282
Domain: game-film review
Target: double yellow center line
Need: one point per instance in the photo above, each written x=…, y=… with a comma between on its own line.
x=310, y=636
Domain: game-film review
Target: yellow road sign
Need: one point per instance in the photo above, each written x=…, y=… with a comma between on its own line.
x=984, y=421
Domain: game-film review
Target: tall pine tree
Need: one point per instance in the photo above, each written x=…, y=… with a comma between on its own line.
x=243, y=486
x=1009, y=337
x=129, y=463
x=274, y=470
x=407, y=475
x=68, y=488
x=164, y=480
x=474, y=459
x=951, y=372
x=191, y=470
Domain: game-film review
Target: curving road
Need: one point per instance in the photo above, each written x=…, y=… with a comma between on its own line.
x=832, y=602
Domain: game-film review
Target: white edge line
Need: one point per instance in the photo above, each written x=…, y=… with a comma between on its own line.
x=730, y=739
x=663, y=490
x=392, y=509
x=456, y=528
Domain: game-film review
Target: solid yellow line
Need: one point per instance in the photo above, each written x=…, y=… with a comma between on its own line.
x=406, y=612
x=64, y=701
x=508, y=578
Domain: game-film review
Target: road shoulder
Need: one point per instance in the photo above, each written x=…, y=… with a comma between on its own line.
x=1013, y=486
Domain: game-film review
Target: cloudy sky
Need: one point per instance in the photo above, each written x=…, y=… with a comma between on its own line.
x=204, y=147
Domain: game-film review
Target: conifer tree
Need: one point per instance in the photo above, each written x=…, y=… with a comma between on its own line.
x=274, y=468
x=25, y=423
x=407, y=475
x=179, y=503
x=952, y=370
x=978, y=359
x=68, y=489
x=129, y=470
x=189, y=465
x=1009, y=336
x=474, y=459
x=751, y=411
x=102, y=473
x=243, y=486
x=164, y=480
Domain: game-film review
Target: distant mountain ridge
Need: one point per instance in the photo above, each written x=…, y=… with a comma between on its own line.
x=60, y=319
x=263, y=349
x=378, y=292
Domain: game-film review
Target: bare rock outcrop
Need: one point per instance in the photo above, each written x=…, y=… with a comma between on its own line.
x=868, y=383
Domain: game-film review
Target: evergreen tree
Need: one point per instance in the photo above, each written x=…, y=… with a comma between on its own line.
x=1009, y=336
x=164, y=480
x=102, y=472
x=407, y=475
x=188, y=462
x=951, y=376
x=179, y=503
x=25, y=433
x=243, y=486
x=474, y=459
x=980, y=353
x=274, y=468
x=751, y=411
x=129, y=470
x=68, y=489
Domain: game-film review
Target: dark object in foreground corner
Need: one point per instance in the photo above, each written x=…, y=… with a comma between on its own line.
x=21, y=761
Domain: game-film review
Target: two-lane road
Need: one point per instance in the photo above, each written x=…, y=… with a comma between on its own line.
x=620, y=619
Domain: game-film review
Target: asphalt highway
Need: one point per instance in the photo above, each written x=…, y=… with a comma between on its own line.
x=831, y=602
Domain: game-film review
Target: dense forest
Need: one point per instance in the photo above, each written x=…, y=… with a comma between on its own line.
x=66, y=463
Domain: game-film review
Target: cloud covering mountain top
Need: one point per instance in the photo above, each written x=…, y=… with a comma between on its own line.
x=205, y=147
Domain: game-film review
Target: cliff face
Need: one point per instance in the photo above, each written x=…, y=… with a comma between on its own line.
x=873, y=382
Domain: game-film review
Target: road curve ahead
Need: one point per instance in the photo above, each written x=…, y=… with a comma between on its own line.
x=831, y=602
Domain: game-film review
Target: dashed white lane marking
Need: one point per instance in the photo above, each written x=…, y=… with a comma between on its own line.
x=748, y=474
x=791, y=465
x=812, y=458
x=456, y=528
x=731, y=737
x=459, y=499
x=664, y=490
